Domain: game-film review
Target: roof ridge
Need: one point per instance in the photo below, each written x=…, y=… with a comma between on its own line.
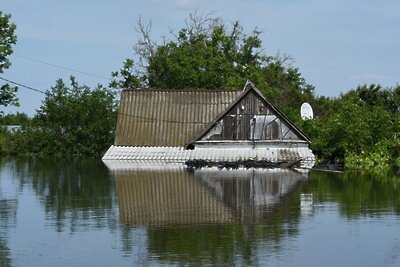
x=180, y=90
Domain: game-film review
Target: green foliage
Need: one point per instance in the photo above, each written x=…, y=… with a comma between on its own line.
x=208, y=53
x=286, y=87
x=7, y=40
x=28, y=142
x=374, y=95
x=126, y=77
x=15, y=119
x=72, y=120
x=360, y=128
x=219, y=59
x=376, y=160
x=8, y=95
x=2, y=141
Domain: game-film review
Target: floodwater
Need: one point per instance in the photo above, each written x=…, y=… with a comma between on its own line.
x=78, y=213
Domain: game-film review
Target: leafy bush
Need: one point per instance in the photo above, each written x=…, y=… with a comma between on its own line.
x=361, y=131
x=72, y=120
x=378, y=159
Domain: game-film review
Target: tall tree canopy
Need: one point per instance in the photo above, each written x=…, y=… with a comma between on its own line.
x=207, y=53
x=7, y=40
x=200, y=60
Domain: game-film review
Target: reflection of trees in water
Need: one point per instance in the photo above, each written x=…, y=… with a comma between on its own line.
x=357, y=194
x=5, y=260
x=209, y=218
x=8, y=217
x=75, y=193
x=8, y=211
x=226, y=244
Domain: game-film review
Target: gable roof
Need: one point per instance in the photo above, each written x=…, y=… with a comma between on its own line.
x=249, y=87
x=168, y=117
x=149, y=117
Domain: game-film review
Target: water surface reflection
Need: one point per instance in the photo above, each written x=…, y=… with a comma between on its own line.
x=8, y=209
x=77, y=213
x=210, y=216
x=206, y=196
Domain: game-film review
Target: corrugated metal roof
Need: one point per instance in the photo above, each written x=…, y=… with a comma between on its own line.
x=167, y=117
x=180, y=155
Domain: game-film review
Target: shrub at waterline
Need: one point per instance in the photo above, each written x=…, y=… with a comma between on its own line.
x=73, y=120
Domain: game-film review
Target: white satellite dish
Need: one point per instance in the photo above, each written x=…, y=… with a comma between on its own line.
x=306, y=111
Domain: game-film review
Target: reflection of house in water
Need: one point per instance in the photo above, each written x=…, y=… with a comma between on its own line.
x=251, y=194
x=207, y=196
x=167, y=197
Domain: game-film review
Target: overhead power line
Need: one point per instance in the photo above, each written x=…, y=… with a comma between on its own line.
x=24, y=86
x=61, y=67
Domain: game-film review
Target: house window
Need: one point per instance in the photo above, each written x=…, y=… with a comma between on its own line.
x=272, y=131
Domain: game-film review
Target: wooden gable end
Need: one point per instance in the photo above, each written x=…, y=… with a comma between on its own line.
x=251, y=117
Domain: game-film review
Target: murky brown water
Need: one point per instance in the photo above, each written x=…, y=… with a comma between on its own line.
x=77, y=213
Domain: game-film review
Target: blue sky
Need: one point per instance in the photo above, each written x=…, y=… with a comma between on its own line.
x=337, y=45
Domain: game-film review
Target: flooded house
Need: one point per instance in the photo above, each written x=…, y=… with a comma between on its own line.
x=175, y=126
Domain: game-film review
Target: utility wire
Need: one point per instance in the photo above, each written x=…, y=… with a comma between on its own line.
x=61, y=67
x=25, y=86
x=147, y=119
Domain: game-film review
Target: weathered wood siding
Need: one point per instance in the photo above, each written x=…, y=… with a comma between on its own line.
x=252, y=118
x=167, y=117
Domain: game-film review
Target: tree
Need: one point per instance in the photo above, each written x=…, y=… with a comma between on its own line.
x=196, y=60
x=73, y=120
x=125, y=77
x=359, y=127
x=207, y=53
x=15, y=119
x=7, y=40
x=374, y=95
x=82, y=120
